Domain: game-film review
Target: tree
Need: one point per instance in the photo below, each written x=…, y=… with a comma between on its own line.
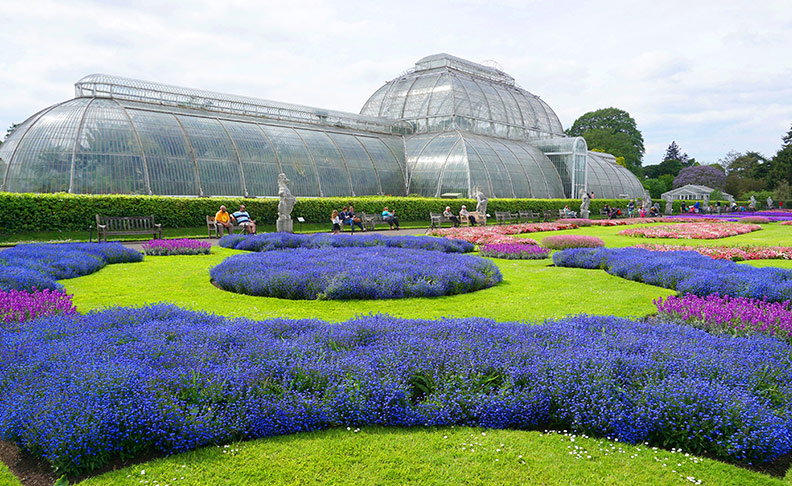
x=705, y=175
x=673, y=152
x=781, y=164
x=666, y=167
x=614, y=131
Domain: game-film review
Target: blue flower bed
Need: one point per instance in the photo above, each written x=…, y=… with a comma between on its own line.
x=26, y=267
x=80, y=391
x=280, y=241
x=687, y=272
x=375, y=272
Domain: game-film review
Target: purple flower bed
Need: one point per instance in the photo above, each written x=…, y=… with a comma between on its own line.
x=354, y=273
x=687, y=272
x=19, y=305
x=165, y=380
x=770, y=215
x=26, y=267
x=176, y=247
x=279, y=241
x=729, y=315
x=513, y=251
x=562, y=242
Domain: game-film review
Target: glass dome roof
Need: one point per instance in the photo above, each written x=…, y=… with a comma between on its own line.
x=609, y=180
x=445, y=92
x=456, y=162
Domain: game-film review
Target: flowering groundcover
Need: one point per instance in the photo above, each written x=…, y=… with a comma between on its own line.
x=20, y=305
x=38, y=266
x=699, y=231
x=562, y=242
x=727, y=315
x=79, y=391
x=376, y=272
x=733, y=253
x=687, y=272
x=279, y=241
x=183, y=246
x=511, y=251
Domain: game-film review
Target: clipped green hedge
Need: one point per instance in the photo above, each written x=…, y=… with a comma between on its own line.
x=73, y=212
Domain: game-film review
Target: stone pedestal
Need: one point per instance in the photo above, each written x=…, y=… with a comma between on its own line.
x=284, y=225
x=584, y=213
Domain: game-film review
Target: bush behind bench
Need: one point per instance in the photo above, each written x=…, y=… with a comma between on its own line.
x=73, y=212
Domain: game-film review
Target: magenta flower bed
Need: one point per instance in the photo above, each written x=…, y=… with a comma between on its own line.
x=754, y=220
x=698, y=231
x=739, y=316
x=176, y=247
x=562, y=242
x=20, y=305
x=733, y=253
x=512, y=251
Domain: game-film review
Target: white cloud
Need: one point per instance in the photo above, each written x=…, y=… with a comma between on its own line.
x=713, y=76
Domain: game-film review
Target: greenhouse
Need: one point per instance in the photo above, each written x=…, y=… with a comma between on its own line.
x=446, y=126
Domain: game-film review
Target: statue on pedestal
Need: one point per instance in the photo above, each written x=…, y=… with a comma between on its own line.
x=285, y=205
x=752, y=204
x=481, y=200
x=669, y=206
x=769, y=202
x=585, y=200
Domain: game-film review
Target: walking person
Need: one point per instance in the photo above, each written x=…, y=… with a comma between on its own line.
x=336, y=219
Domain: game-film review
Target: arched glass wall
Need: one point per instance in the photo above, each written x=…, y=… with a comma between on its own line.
x=100, y=146
x=609, y=180
x=456, y=162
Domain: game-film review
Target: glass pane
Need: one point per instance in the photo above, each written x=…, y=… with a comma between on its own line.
x=330, y=166
x=498, y=175
x=455, y=171
x=426, y=161
x=295, y=161
x=218, y=167
x=259, y=162
x=361, y=169
x=520, y=183
x=390, y=175
x=170, y=165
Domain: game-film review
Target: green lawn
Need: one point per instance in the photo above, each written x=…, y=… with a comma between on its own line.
x=531, y=291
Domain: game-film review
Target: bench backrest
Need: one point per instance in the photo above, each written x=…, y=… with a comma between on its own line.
x=126, y=223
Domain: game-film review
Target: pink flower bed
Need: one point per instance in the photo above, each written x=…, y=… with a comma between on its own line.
x=562, y=242
x=481, y=235
x=787, y=223
x=733, y=253
x=697, y=231
x=753, y=220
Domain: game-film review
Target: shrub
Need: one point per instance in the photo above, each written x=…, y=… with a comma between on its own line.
x=561, y=242
x=354, y=273
x=280, y=241
x=26, y=267
x=170, y=380
x=753, y=220
x=511, y=251
x=182, y=246
x=687, y=272
x=19, y=306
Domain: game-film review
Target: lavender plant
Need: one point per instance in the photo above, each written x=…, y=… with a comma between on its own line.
x=25, y=267
x=562, y=242
x=375, y=272
x=687, y=272
x=279, y=241
x=164, y=380
x=182, y=246
x=512, y=251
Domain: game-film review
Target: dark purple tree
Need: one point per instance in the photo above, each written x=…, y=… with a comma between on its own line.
x=704, y=175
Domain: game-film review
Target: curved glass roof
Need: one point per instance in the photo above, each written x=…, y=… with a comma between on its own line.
x=444, y=91
x=116, y=87
x=102, y=145
x=609, y=180
x=456, y=162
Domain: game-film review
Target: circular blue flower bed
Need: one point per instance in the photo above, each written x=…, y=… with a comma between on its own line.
x=280, y=241
x=354, y=273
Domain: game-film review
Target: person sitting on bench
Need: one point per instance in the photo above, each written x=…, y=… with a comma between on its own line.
x=390, y=218
x=448, y=214
x=223, y=221
x=464, y=213
x=242, y=218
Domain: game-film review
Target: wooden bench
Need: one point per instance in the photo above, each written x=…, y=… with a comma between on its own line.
x=437, y=220
x=126, y=225
x=526, y=216
x=548, y=215
x=371, y=221
x=502, y=217
x=481, y=219
x=211, y=227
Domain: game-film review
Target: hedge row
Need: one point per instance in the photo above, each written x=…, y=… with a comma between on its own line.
x=74, y=212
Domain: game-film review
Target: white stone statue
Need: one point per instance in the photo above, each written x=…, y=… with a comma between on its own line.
x=669, y=206
x=481, y=200
x=752, y=204
x=285, y=205
x=769, y=202
x=647, y=202
x=585, y=200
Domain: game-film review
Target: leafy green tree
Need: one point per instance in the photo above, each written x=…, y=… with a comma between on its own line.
x=614, y=131
x=666, y=167
x=781, y=163
x=673, y=152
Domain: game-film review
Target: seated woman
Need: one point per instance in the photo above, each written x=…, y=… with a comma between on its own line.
x=390, y=218
x=353, y=220
x=448, y=214
x=464, y=213
x=568, y=213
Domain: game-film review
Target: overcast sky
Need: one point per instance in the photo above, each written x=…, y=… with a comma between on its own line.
x=712, y=75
